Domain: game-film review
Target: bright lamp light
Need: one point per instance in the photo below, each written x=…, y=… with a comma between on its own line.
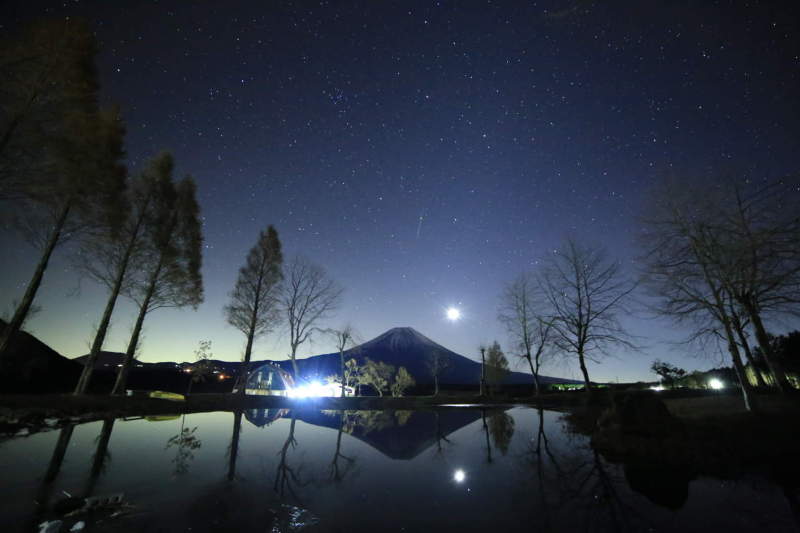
x=716, y=384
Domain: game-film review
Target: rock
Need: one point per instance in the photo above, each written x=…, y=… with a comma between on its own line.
x=643, y=413
x=50, y=526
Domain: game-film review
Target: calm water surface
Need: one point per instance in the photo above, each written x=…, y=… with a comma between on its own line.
x=279, y=471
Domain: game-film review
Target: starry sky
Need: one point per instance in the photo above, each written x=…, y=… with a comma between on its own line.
x=424, y=152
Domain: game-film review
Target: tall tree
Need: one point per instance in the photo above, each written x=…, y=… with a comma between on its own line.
x=437, y=363
x=49, y=77
x=309, y=297
x=496, y=366
x=753, y=245
x=585, y=293
x=343, y=337
x=679, y=267
x=529, y=328
x=254, y=307
x=59, y=155
x=169, y=274
x=84, y=188
x=107, y=252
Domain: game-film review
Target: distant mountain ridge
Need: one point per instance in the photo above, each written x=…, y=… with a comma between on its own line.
x=401, y=346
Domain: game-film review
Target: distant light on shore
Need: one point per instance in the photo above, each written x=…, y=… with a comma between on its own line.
x=715, y=384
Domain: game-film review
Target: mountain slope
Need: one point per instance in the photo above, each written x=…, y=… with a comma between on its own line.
x=409, y=348
x=32, y=366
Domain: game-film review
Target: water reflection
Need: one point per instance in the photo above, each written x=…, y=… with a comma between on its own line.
x=306, y=470
x=185, y=444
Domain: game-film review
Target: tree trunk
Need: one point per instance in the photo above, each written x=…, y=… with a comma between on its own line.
x=294, y=365
x=535, y=376
x=773, y=363
x=122, y=375
x=24, y=307
x=750, y=402
x=483, y=372
x=341, y=369
x=102, y=328
x=243, y=371
x=749, y=356
x=585, y=372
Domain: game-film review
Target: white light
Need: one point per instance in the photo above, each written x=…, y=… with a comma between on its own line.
x=453, y=314
x=715, y=384
x=657, y=388
x=459, y=476
x=315, y=389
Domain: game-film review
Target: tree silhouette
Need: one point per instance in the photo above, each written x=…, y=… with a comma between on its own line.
x=169, y=275
x=309, y=297
x=107, y=253
x=254, y=307
x=527, y=325
x=59, y=154
x=496, y=366
x=437, y=364
x=585, y=292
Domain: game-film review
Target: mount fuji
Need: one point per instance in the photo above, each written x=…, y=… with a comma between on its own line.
x=411, y=349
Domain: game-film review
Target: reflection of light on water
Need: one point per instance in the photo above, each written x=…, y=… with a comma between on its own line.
x=459, y=476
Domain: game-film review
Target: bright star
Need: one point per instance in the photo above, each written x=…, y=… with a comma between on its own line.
x=453, y=314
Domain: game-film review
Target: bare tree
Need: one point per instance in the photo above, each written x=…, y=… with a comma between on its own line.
x=344, y=340
x=752, y=241
x=169, y=274
x=680, y=272
x=309, y=297
x=529, y=328
x=254, y=308
x=585, y=292
x=437, y=363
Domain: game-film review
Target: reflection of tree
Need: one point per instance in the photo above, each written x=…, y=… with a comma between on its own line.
x=101, y=456
x=185, y=443
x=368, y=421
x=501, y=427
x=339, y=472
x=233, y=449
x=579, y=481
x=287, y=475
x=486, y=432
x=440, y=436
x=53, y=468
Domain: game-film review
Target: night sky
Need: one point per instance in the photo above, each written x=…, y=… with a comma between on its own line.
x=425, y=153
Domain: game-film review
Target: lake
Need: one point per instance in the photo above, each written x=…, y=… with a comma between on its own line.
x=458, y=469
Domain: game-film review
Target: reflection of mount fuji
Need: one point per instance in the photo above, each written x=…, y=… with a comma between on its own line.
x=396, y=434
x=409, y=348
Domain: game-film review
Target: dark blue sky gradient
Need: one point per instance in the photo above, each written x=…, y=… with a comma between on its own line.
x=502, y=127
